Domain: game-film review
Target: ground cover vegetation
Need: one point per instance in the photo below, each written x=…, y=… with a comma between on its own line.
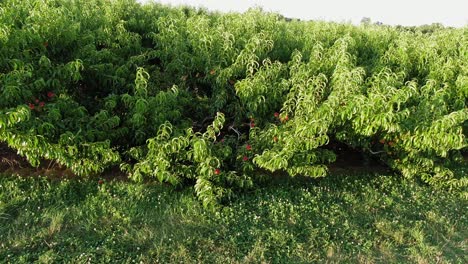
x=221, y=101
x=360, y=218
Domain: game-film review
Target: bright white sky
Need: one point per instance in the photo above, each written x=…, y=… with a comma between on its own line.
x=392, y=12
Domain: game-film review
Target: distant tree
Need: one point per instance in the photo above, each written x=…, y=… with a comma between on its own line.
x=429, y=29
x=287, y=19
x=424, y=29
x=366, y=21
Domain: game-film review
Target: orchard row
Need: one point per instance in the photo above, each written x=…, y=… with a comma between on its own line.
x=216, y=100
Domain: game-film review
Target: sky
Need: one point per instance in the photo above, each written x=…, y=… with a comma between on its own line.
x=392, y=12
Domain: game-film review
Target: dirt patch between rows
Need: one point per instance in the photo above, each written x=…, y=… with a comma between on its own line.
x=348, y=161
x=13, y=164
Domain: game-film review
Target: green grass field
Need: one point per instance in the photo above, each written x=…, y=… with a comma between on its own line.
x=359, y=218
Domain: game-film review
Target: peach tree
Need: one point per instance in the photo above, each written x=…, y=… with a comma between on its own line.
x=220, y=101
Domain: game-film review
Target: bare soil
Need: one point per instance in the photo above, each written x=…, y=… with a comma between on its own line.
x=13, y=164
x=348, y=161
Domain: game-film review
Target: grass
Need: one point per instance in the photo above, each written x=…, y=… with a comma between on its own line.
x=359, y=218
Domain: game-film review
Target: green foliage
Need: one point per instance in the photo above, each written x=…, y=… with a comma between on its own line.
x=98, y=84
x=341, y=218
x=190, y=156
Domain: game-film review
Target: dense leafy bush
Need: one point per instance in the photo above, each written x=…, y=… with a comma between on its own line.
x=187, y=96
